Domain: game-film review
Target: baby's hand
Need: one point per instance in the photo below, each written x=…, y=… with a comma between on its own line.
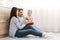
x=26, y=18
x=31, y=20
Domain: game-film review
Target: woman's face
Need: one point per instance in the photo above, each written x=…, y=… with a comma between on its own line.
x=17, y=13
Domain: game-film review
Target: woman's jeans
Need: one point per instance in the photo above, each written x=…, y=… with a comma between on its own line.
x=28, y=30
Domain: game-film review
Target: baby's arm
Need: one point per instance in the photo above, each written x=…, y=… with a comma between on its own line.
x=26, y=18
x=31, y=20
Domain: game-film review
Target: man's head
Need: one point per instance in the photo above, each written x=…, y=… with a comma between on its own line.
x=20, y=12
x=29, y=12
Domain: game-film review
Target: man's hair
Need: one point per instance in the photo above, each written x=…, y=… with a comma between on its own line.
x=20, y=9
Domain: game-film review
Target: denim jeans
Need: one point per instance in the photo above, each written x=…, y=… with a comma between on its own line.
x=26, y=31
x=36, y=28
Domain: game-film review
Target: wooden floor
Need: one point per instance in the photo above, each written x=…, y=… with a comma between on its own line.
x=53, y=36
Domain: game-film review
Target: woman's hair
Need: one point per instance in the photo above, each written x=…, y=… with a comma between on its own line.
x=13, y=13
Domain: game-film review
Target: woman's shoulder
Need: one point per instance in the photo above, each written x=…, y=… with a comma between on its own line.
x=14, y=18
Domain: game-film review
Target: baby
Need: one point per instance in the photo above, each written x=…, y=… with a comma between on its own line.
x=29, y=17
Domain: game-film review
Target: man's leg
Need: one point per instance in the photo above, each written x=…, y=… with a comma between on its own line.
x=33, y=27
x=37, y=29
x=28, y=27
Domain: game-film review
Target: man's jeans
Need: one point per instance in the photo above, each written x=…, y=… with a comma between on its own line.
x=28, y=30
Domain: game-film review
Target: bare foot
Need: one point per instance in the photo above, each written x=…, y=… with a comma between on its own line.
x=44, y=35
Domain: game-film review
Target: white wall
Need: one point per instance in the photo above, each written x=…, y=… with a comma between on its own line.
x=48, y=19
x=46, y=13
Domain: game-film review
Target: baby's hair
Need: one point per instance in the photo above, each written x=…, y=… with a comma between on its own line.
x=30, y=10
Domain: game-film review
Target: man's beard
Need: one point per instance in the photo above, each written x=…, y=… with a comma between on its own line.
x=21, y=15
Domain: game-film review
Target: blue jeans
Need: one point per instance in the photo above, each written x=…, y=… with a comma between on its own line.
x=26, y=31
x=36, y=28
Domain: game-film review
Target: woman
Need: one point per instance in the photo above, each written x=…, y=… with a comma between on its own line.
x=16, y=29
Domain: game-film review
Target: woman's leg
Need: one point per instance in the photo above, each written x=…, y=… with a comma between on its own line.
x=23, y=33
x=33, y=27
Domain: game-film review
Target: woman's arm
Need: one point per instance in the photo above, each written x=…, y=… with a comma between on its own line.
x=18, y=25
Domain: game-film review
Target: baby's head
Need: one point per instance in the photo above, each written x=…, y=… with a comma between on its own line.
x=29, y=13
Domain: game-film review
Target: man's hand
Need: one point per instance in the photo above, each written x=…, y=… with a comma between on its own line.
x=27, y=22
